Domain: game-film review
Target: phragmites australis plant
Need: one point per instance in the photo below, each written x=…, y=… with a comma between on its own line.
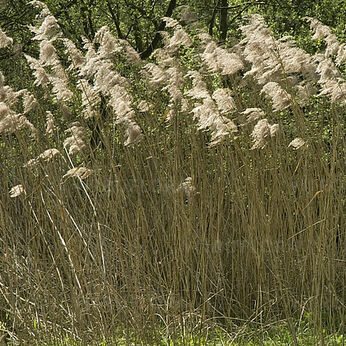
x=200, y=188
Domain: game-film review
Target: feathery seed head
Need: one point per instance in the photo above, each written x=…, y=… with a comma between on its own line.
x=17, y=191
x=60, y=89
x=297, y=143
x=90, y=98
x=320, y=30
x=29, y=102
x=80, y=172
x=92, y=61
x=8, y=95
x=262, y=130
x=208, y=117
x=5, y=40
x=50, y=127
x=143, y=106
x=106, y=79
x=224, y=100
x=9, y=121
x=48, y=55
x=179, y=38
x=170, y=22
x=305, y=90
x=336, y=90
x=75, y=56
x=4, y=110
x=187, y=188
x=253, y=114
x=281, y=98
x=199, y=90
x=2, y=80
x=77, y=141
x=38, y=4
x=341, y=56
x=326, y=69
x=219, y=60
x=228, y=63
x=47, y=156
x=109, y=44
x=49, y=29
x=41, y=77
x=274, y=129
x=221, y=128
x=134, y=133
x=24, y=122
x=131, y=54
x=156, y=76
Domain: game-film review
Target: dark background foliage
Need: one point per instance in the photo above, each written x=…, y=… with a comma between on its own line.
x=139, y=20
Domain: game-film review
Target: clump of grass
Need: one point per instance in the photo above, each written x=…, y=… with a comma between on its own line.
x=194, y=195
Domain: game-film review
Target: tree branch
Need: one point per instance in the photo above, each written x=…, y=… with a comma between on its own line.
x=242, y=10
x=65, y=7
x=115, y=18
x=212, y=19
x=157, y=38
x=223, y=20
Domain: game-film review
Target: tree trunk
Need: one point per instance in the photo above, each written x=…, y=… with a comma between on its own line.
x=223, y=20
x=157, y=39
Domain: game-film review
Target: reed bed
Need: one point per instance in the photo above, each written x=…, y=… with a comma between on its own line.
x=203, y=188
